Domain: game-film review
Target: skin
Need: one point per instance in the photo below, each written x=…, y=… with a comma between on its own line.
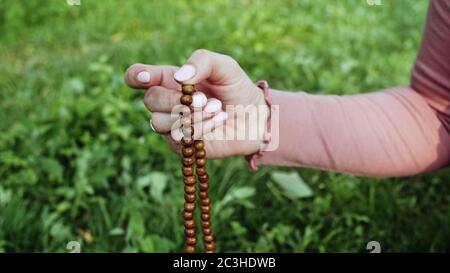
x=217, y=76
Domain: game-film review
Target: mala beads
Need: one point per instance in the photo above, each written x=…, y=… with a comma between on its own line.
x=193, y=153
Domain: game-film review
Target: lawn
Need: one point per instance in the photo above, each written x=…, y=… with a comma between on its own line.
x=78, y=161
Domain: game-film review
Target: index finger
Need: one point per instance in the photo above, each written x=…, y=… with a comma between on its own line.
x=144, y=76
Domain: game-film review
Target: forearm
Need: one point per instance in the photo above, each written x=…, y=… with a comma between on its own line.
x=392, y=132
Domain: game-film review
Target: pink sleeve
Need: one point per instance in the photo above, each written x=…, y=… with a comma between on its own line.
x=394, y=132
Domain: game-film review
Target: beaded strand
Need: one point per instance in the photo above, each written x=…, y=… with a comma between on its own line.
x=193, y=152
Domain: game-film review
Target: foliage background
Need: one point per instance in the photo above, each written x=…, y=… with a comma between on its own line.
x=79, y=162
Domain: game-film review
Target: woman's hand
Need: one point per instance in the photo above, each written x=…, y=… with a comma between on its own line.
x=230, y=110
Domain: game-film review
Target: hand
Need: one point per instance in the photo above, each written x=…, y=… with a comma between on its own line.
x=225, y=93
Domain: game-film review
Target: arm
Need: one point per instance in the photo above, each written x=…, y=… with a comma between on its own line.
x=394, y=132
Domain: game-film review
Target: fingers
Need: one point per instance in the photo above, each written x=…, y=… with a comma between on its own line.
x=142, y=76
x=160, y=99
x=207, y=65
x=162, y=122
x=201, y=128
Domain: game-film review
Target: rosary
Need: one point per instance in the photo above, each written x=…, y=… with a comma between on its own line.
x=193, y=152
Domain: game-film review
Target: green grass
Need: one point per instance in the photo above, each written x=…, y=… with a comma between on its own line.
x=78, y=160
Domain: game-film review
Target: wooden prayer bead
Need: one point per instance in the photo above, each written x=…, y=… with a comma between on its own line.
x=201, y=162
x=190, y=180
x=188, y=161
x=189, y=249
x=189, y=232
x=206, y=224
x=209, y=247
x=203, y=194
x=206, y=217
x=199, y=144
x=188, y=171
x=188, y=224
x=186, y=121
x=203, y=186
x=191, y=241
x=203, y=178
x=208, y=238
x=206, y=201
x=189, y=197
x=200, y=154
x=206, y=209
x=186, y=99
x=187, y=141
x=189, y=189
x=189, y=206
x=187, y=151
x=206, y=231
x=188, y=89
x=200, y=170
x=188, y=215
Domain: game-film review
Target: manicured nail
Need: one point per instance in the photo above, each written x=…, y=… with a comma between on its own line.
x=221, y=117
x=199, y=99
x=185, y=73
x=213, y=105
x=143, y=77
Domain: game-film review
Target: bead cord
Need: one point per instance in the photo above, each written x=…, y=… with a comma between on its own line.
x=193, y=153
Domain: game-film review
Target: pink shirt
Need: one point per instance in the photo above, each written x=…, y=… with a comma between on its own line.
x=393, y=132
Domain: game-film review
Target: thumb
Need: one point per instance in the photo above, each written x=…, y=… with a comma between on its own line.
x=207, y=65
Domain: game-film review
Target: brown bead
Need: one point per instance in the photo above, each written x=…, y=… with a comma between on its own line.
x=187, y=141
x=206, y=209
x=201, y=162
x=186, y=121
x=206, y=224
x=203, y=177
x=189, y=207
x=209, y=247
x=186, y=99
x=192, y=241
x=203, y=186
x=188, y=161
x=189, y=189
x=200, y=153
x=199, y=145
x=208, y=238
x=189, y=197
x=187, y=151
x=206, y=201
x=203, y=194
x=188, y=224
x=189, y=232
x=190, y=180
x=206, y=216
x=188, y=89
x=188, y=171
x=207, y=231
x=200, y=170
x=189, y=249
x=188, y=215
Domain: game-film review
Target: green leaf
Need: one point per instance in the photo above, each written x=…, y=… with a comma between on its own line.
x=292, y=185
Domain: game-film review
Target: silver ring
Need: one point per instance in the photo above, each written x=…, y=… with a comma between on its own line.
x=151, y=126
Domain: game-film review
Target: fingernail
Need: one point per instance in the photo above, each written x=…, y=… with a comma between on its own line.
x=213, y=105
x=199, y=99
x=143, y=77
x=185, y=73
x=221, y=117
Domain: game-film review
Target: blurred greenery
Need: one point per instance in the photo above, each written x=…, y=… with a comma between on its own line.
x=78, y=161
